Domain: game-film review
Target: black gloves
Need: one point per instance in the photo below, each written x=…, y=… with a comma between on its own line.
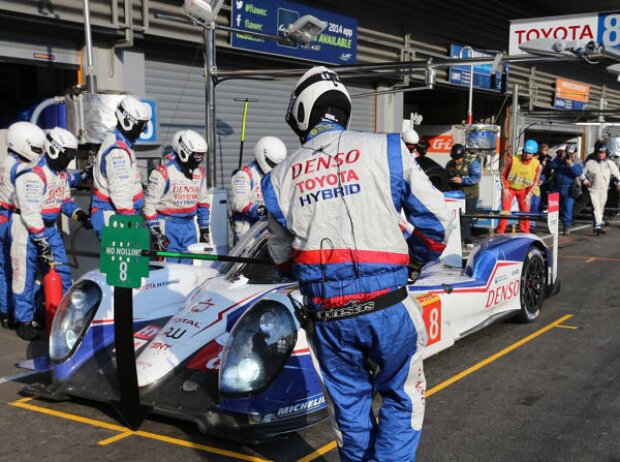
x=205, y=235
x=261, y=211
x=45, y=249
x=160, y=241
x=81, y=217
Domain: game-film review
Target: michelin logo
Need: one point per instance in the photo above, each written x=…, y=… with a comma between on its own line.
x=300, y=407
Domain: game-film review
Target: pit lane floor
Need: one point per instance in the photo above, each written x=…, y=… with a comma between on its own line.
x=548, y=391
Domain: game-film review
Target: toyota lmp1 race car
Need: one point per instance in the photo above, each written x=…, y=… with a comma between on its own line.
x=221, y=345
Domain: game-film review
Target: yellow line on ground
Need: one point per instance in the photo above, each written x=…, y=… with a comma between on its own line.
x=200, y=447
x=332, y=445
x=499, y=354
x=319, y=452
x=564, y=326
x=115, y=438
x=124, y=431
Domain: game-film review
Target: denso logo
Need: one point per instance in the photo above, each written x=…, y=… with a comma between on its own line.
x=503, y=293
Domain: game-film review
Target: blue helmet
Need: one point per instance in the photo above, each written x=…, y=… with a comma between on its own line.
x=530, y=147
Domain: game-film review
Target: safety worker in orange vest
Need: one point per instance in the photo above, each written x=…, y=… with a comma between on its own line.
x=519, y=178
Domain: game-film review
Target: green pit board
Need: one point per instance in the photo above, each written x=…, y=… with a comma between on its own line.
x=122, y=242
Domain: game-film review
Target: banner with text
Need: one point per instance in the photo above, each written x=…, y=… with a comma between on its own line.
x=460, y=75
x=603, y=28
x=571, y=95
x=336, y=45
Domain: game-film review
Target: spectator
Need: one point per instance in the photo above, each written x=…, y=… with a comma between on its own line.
x=464, y=175
x=544, y=183
x=599, y=172
x=565, y=172
x=519, y=178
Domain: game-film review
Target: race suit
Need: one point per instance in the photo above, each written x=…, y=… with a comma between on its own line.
x=334, y=211
x=563, y=177
x=173, y=200
x=10, y=166
x=40, y=195
x=117, y=184
x=519, y=178
x=601, y=172
x=245, y=198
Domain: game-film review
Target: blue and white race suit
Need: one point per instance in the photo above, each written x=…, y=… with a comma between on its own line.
x=245, y=198
x=173, y=201
x=10, y=166
x=40, y=195
x=334, y=212
x=117, y=184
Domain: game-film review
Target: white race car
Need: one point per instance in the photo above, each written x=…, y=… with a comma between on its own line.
x=221, y=345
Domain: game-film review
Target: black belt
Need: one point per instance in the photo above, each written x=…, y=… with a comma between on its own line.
x=350, y=311
x=47, y=223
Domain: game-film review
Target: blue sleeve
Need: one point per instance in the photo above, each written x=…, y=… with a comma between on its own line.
x=75, y=178
x=253, y=211
x=204, y=216
x=68, y=207
x=577, y=169
x=474, y=174
x=271, y=200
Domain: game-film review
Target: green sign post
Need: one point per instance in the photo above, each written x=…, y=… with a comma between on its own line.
x=122, y=244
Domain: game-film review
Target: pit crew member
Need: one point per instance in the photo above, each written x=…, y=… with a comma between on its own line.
x=117, y=184
x=334, y=211
x=565, y=169
x=177, y=194
x=25, y=144
x=519, y=178
x=598, y=173
x=41, y=192
x=246, y=197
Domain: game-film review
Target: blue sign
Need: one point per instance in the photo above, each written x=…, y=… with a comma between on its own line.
x=336, y=45
x=568, y=104
x=461, y=75
x=608, y=33
x=149, y=135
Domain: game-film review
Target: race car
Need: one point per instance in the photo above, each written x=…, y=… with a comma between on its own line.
x=221, y=345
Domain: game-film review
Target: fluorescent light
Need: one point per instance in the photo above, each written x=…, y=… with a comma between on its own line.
x=598, y=124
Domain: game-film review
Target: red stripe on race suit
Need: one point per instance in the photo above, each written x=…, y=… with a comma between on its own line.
x=35, y=230
x=102, y=196
x=204, y=205
x=341, y=300
x=50, y=211
x=430, y=243
x=247, y=208
x=125, y=211
x=317, y=257
x=175, y=211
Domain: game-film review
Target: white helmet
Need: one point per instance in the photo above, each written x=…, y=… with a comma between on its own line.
x=60, y=148
x=318, y=94
x=269, y=152
x=133, y=115
x=190, y=148
x=25, y=139
x=410, y=136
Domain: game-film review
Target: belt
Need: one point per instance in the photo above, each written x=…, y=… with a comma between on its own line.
x=48, y=223
x=350, y=311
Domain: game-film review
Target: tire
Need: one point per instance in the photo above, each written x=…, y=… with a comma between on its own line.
x=533, y=285
x=435, y=172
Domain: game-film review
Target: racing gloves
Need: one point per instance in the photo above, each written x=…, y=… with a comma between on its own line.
x=160, y=241
x=81, y=217
x=44, y=249
x=205, y=235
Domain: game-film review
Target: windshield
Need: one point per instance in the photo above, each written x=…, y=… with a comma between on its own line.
x=253, y=245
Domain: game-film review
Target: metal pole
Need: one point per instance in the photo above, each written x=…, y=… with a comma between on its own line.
x=514, y=119
x=470, y=115
x=91, y=79
x=210, y=71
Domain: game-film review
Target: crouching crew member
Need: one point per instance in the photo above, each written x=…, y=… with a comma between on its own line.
x=41, y=192
x=176, y=194
x=25, y=145
x=334, y=211
x=117, y=184
x=246, y=198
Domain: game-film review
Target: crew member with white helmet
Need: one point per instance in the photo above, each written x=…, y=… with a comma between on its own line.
x=42, y=192
x=599, y=172
x=25, y=144
x=334, y=210
x=117, y=187
x=177, y=193
x=246, y=197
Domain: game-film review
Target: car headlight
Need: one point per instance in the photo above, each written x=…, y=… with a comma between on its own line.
x=259, y=344
x=74, y=314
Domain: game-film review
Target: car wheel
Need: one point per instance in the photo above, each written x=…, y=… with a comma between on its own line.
x=533, y=277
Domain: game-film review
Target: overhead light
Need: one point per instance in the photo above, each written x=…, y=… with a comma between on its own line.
x=202, y=11
x=598, y=124
x=306, y=29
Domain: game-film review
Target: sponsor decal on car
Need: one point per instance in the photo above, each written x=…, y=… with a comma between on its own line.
x=503, y=293
x=159, y=285
x=431, y=313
